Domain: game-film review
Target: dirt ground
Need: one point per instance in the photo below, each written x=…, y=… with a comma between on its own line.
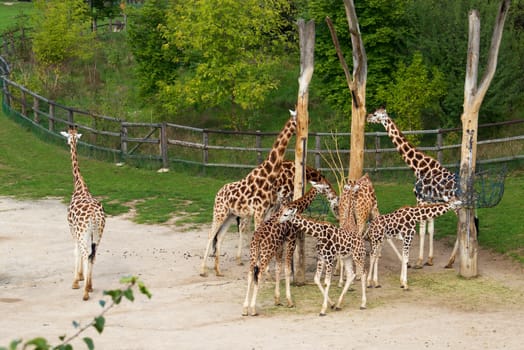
x=191, y=312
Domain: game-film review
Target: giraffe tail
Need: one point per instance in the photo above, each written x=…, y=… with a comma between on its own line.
x=93, y=236
x=93, y=252
x=256, y=272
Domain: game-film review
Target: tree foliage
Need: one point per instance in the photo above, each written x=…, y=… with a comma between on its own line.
x=413, y=90
x=61, y=34
x=384, y=31
x=227, y=51
x=154, y=64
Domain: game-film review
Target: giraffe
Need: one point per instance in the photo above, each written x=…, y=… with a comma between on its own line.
x=433, y=181
x=285, y=186
x=86, y=221
x=251, y=196
x=268, y=242
x=401, y=224
x=333, y=241
x=366, y=209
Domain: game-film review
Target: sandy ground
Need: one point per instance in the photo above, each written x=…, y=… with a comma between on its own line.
x=191, y=312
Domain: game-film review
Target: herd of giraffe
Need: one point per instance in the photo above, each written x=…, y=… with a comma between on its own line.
x=265, y=195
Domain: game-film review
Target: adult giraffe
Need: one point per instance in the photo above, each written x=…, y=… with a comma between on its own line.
x=434, y=183
x=253, y=196
x=86, y=221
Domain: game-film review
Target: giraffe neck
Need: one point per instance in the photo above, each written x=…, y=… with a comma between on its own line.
x=408, y=152
x=273, y=163
x=426, y=212
x=311, y=227
x=305, y=201
x=79, y=183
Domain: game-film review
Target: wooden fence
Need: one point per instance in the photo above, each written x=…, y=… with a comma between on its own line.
x=166, y=143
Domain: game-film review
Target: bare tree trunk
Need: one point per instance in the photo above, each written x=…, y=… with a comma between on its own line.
x=307, y=49
x=357, y=87
x=473, y=96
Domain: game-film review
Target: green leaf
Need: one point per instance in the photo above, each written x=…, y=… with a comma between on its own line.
x=128, y=293
x=89, y=343
x=102, y=303
x=115, y=294
x=14, y=344
x=76, y=324
x=128, y=280
x=39, y=343
x=99, y=323
x=143, y=289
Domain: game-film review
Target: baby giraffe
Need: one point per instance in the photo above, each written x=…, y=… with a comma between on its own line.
x=333, y=241
x=268, y=242
x=401, y=224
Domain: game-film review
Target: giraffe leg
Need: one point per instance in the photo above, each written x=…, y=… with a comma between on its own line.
x=372, y=277
x=451, y=260
x=394, y=247
x=88, y=285
x=219, y=227
x=290, y=249
x=327, y=284
x=250, y=285
x=404, y=269
x=422, y=234
x=350, y=276
x=258, y=278
x=278, y=267
x=242, y=229
x=78, y=267
x=431, y=231
x=362, y=272
x=340, y=265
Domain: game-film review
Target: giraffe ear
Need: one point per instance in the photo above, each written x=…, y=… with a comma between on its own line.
x=78, y=136
x=64, y=134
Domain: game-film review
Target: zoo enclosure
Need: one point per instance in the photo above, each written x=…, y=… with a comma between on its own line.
x=166, y=143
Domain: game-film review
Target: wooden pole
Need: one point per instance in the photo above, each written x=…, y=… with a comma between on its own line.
x=357, y=87
x=307, y=48
x=473, y=96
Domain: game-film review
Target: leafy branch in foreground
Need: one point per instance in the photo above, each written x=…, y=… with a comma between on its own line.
x=98, y=322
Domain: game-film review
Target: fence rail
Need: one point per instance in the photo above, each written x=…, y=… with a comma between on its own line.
x=166, y=143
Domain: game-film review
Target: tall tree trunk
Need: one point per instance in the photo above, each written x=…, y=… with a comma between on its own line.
x=357, y=88
x=473, y=97
x=307, y=48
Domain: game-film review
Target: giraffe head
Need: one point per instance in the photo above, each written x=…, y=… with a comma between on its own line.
x=287, y=214
x=379, y=116
x=72, y=135
x=455, y=204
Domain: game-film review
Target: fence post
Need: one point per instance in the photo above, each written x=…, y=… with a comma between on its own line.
x=317, y=151
x=51, y=116
x=205, y=141
x=23, y=102
x=163, y=145
x=439, y=145
x=70, y=118
x=378, y=155
x=36, y=109
x=258, y=145
x=123, y=141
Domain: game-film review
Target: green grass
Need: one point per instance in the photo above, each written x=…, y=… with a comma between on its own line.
x=31, y=168
x=10, y=10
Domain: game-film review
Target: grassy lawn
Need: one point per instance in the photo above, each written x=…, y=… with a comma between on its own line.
x=32, y=168
x=9, y=10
